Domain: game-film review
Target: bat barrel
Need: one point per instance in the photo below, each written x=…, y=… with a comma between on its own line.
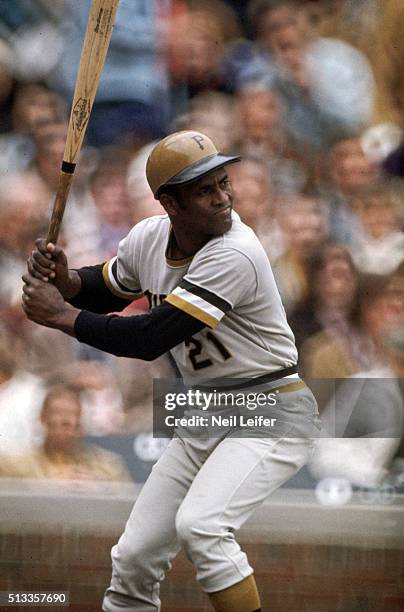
x=95, y=46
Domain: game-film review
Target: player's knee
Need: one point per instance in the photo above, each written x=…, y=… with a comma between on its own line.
x=186, y=523
x=132, y=555
x=191, y=528
x=183, y=525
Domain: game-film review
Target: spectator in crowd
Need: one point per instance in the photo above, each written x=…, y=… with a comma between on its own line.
x=263, y=136
x=387, y=56
x=101, y=216
x=267, y=17
x=108, y=186
x=303, y=222
x=252, y=193
x=253, y=201
x=135, y=379
x=46, y=353
x=379, y=249
x=50, y=139
x=366, y=416
x=379, y=306
x=20, y=14
x=80, y=220
x=64, y=455
x=23, y=202
x=199, y=37
x=377, y=25
x=353, y=22
x=330, y=300
x=33, y=105
x=132, y=98
x=100, y=397
x=261, y=115
x=21, y=394
x=104, y=383
x=30, y=30
x=344, y=175
x=326, y=84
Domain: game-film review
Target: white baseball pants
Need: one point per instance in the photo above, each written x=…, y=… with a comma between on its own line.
x=198, y=494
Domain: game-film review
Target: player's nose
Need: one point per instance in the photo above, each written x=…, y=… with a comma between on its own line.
x=220, y=196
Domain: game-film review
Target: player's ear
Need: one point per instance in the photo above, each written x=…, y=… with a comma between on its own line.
x=169, y=203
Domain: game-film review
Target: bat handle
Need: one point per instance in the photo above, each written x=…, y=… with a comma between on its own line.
x=65, y=180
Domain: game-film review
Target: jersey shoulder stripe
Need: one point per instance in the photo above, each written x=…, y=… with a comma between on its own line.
x=206, y=295
x=195, y=306
x=110, y=275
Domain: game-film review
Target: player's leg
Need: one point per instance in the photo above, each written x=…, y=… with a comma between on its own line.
x=143, y=553
x=240, y=597
x=234, y=481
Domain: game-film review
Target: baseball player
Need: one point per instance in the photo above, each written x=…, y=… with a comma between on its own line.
x=216, y=307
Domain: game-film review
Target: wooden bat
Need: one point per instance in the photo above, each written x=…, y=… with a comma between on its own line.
x=95, y=47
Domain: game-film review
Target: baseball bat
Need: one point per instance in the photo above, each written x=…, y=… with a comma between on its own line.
x=95, y=47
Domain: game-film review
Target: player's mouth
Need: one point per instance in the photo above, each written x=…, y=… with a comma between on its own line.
x=224, y=211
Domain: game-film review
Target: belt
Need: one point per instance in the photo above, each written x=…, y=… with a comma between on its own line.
x=266, y=378
x=252, y=382
x=290, y=387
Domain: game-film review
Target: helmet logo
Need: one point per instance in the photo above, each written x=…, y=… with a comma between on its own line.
x=199, y=141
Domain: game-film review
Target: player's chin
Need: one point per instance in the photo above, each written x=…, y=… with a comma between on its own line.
x=222, y=226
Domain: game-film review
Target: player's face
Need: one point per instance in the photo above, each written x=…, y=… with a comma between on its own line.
x=206, y=204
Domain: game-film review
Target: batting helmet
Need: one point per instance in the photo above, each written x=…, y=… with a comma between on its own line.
x=181, y=158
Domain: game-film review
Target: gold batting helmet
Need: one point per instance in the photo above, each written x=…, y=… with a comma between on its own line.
x=183, y=157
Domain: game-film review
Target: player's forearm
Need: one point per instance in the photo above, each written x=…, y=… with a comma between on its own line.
x=142, y=336
x=91, y=292
x=66, y=320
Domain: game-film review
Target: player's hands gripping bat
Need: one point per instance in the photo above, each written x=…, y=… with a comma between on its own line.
x=95, y=46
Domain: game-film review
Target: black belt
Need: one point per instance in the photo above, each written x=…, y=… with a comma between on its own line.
x=259, y=380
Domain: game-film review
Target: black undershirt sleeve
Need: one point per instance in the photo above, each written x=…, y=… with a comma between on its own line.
x=94, y=294
x=142, y=337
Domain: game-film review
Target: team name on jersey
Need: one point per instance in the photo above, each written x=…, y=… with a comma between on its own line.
x=154, y=299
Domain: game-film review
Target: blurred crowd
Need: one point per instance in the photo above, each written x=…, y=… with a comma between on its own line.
x=311, y=93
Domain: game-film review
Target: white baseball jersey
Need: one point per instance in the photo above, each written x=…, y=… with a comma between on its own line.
x=228, y=285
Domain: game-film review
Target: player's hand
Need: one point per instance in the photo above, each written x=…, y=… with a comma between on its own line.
x=49, y=262
x=43, y=304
